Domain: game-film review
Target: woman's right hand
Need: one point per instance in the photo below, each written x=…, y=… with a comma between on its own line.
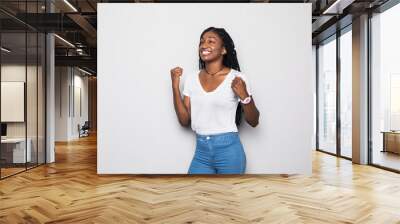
x=176, y=74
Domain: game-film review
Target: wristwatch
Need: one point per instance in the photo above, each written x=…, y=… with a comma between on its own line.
x=246, y=100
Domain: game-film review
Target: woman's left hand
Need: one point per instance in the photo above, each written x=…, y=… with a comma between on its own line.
x=239, y=88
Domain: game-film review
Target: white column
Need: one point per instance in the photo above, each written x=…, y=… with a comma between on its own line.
x=50, y=110
x=50, y=93
x=360, y=90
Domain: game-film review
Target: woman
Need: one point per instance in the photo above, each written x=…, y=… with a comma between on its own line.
x=211, y=105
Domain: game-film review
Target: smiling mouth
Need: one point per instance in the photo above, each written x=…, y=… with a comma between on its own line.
x=205, y=52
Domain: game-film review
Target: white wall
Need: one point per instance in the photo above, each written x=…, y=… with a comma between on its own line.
x=12, y=101
x=79, y=117
x=61, y=103
x=138, y=131
x=68, y=81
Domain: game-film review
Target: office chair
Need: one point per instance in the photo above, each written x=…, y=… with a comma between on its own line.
x=84, y=130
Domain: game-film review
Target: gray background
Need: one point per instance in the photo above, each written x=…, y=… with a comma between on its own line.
x=138, y=132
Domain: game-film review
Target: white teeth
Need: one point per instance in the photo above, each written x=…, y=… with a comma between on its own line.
x=206, y=52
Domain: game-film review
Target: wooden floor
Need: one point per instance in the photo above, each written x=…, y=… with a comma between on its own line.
x=9, y=171
x=70, y=191
x=5, y=172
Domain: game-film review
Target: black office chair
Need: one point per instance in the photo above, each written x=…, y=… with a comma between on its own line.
x=84, y=130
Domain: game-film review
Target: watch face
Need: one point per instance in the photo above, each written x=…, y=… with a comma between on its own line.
x=246, y=100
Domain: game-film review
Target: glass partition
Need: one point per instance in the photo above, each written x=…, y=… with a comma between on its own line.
x=22, y=101
x=14, y=153
x=32, y=95
x=327, y=96
x=41, y=111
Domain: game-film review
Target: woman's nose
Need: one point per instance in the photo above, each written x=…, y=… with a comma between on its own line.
x=204, y=46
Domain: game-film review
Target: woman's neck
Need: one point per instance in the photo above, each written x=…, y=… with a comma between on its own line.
x=213, y=67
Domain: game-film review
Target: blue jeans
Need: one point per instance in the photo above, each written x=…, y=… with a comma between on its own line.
x=218, y=154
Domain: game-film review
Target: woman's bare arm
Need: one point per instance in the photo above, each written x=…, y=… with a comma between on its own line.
x=182, y=107
x=251, y=112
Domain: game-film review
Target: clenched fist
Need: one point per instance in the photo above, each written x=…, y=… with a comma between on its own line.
x=176, y=74
x=239, y=88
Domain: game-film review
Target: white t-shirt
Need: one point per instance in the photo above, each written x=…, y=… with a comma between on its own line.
x=213, y=112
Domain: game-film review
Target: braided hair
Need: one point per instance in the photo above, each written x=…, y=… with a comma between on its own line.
x=230, y=59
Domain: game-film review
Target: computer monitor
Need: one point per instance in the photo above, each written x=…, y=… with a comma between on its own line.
x=3, y=129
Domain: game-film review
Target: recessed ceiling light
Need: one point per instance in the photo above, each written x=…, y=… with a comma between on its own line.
x=337, y=7
x=84, y=71
x=5, y=50
x=70, y=5
x=64, y=40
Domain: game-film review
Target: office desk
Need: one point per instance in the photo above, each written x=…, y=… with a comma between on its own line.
x=13, y=150
x=391, y=141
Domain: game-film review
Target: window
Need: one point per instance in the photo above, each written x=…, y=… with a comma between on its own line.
x=327, y=96
x=385, y=89
x=346, y=93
